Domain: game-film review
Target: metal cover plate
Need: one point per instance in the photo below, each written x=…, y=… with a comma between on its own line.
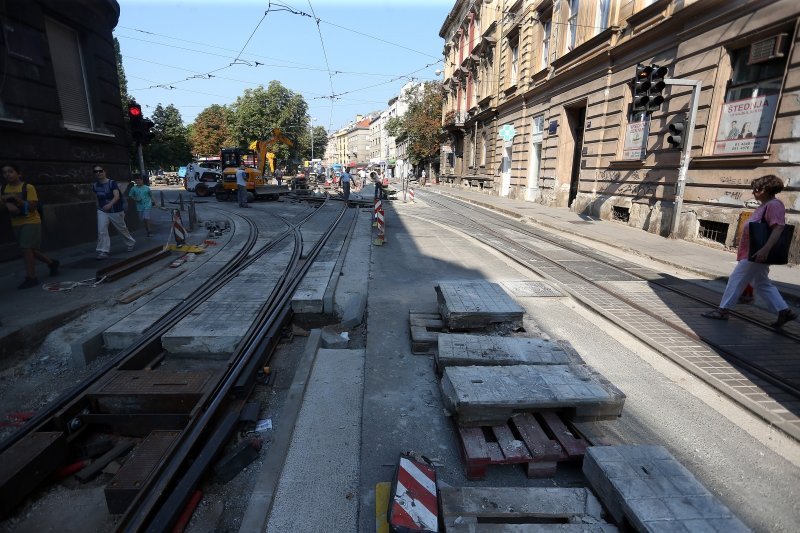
x=532, y=288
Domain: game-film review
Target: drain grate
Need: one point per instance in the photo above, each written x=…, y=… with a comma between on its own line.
x=622, y=214
x=716, y=231
x=532, y=288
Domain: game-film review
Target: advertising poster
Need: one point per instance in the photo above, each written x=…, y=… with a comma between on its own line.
x=636, y=139
x=744, y=125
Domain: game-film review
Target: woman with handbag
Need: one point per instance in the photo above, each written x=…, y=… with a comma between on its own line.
x=752, y=267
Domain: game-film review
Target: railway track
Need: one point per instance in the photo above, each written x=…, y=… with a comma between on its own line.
x=603, y=283
x=178, y=419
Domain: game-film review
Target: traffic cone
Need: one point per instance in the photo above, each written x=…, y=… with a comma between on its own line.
x=381, y=237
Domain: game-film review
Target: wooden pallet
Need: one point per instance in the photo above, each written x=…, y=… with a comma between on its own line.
x=425, y=329
x=539, y=441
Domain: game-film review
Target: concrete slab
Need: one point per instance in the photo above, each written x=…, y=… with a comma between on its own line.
x=126, y=331
x=476, y=304
x=213, y=329
x=521, y=505
x=459, y=349
x=654, y=492
x=355, y=273
x=318, y=489
x=489, y=395
x=310, y=294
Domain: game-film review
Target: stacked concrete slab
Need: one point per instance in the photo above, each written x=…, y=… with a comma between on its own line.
x=489, y=395
x=647, y=487
x=468, y=305
x=459, y=349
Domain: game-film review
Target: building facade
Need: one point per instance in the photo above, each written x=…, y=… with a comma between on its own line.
x=60, y=109
x=540, y=106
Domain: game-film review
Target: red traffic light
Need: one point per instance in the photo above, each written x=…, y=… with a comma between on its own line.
x=134, y=111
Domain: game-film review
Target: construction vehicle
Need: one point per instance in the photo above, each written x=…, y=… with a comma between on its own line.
x=255, y=159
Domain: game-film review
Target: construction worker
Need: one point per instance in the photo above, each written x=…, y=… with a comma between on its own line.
x=241, y=186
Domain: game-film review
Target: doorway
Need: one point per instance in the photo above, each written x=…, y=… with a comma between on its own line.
x=576, y=118
x=505, y=171
x=532, y=191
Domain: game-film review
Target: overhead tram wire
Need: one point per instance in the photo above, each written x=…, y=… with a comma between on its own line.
x=327, y=65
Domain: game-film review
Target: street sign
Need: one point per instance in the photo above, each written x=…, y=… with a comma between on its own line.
x=507, y=132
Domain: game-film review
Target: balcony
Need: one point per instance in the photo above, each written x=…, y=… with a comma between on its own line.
x=454, y=120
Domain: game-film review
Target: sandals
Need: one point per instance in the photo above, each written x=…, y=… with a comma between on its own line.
x=717, y=314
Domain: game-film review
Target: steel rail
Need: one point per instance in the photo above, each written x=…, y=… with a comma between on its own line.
x=158, y=505
x=744, y=364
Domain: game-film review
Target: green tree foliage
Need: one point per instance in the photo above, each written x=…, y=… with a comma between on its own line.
x=258, y=111
x=170, y=148
x=422, y=122
x=210, y=131
x=123, y=80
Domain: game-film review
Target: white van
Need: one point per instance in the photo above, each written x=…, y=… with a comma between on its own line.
x=201, y=178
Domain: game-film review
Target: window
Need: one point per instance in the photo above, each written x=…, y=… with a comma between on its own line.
x=572, y=25
x=70, y=75
x=514, y=44
x=546, y=27
x=601, y=20
x=483, y=150
x=751, y=81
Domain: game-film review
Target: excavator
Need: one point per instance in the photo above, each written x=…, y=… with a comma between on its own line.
x=255, y=158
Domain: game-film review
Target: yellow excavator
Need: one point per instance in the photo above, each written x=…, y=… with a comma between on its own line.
x=255, y=158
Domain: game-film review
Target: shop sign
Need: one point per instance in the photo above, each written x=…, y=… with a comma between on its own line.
x=635, y=146
x=744, y=125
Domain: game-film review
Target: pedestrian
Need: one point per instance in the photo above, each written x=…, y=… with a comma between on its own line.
x=362, y=178
x=346, y=184
x=241, y=186
x=22, y=202
x=376, y=179
x=422, y=178
x=753, y=269
x=110, y=210
x=140, y=193
x=279, y=176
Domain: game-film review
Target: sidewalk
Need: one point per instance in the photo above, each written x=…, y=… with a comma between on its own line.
x=703, y=260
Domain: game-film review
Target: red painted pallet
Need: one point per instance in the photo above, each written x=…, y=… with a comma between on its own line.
x=539, y=441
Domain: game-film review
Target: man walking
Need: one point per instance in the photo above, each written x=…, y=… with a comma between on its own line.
x=110, y=210
x=279, y=176
x=241, y=186
x=346, y=184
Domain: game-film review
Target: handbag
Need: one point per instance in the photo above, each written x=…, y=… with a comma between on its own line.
x=760, y=232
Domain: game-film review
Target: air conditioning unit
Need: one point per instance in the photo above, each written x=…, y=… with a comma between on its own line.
x=767, y=49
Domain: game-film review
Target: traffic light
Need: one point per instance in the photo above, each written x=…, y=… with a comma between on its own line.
x=147, y=131
x=657, y=85
x=648, y=88
x=641, y=88
x=677, y=135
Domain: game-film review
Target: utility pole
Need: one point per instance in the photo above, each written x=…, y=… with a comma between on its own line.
x=686, y=153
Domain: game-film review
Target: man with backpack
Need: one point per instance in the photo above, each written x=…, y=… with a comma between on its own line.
x=110, y=210
x=21, y=202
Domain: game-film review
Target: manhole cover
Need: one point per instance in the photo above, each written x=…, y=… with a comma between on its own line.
x=532, y=288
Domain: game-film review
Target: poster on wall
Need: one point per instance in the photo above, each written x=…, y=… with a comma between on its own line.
x=636, y=139
x=744, y=125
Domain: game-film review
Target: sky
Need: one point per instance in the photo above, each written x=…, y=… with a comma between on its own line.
x=196, y=53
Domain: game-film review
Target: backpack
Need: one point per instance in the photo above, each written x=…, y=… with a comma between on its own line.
x=25, y=198
x=107, y=190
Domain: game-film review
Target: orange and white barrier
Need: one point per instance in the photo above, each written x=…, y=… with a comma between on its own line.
x=414, y=506
x=177, y=228
x=411, y=193
x=378, y=207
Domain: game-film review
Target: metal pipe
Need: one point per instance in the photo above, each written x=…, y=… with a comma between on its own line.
x=686, y=153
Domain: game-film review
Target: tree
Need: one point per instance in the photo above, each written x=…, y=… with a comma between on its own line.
x=422, y=122
x=123, y=80
x=258, y=111
x=211, y=131
x=170, y=148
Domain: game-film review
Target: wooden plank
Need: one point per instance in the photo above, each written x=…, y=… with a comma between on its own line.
x=513, y=450
x=542, y=447
x=574, y=445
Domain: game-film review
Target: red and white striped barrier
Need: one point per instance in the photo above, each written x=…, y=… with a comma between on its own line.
x=414, y=506
x=177, y=228
x=378, y=207
x=411, y=193
x=381, y=224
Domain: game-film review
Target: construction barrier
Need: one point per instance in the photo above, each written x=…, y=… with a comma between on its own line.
x=378, y=207
x=381, y=237
x=411, y=193
x=178, y=231
x=414, y=506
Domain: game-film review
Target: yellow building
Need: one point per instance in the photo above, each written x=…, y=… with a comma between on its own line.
x=540, y=106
